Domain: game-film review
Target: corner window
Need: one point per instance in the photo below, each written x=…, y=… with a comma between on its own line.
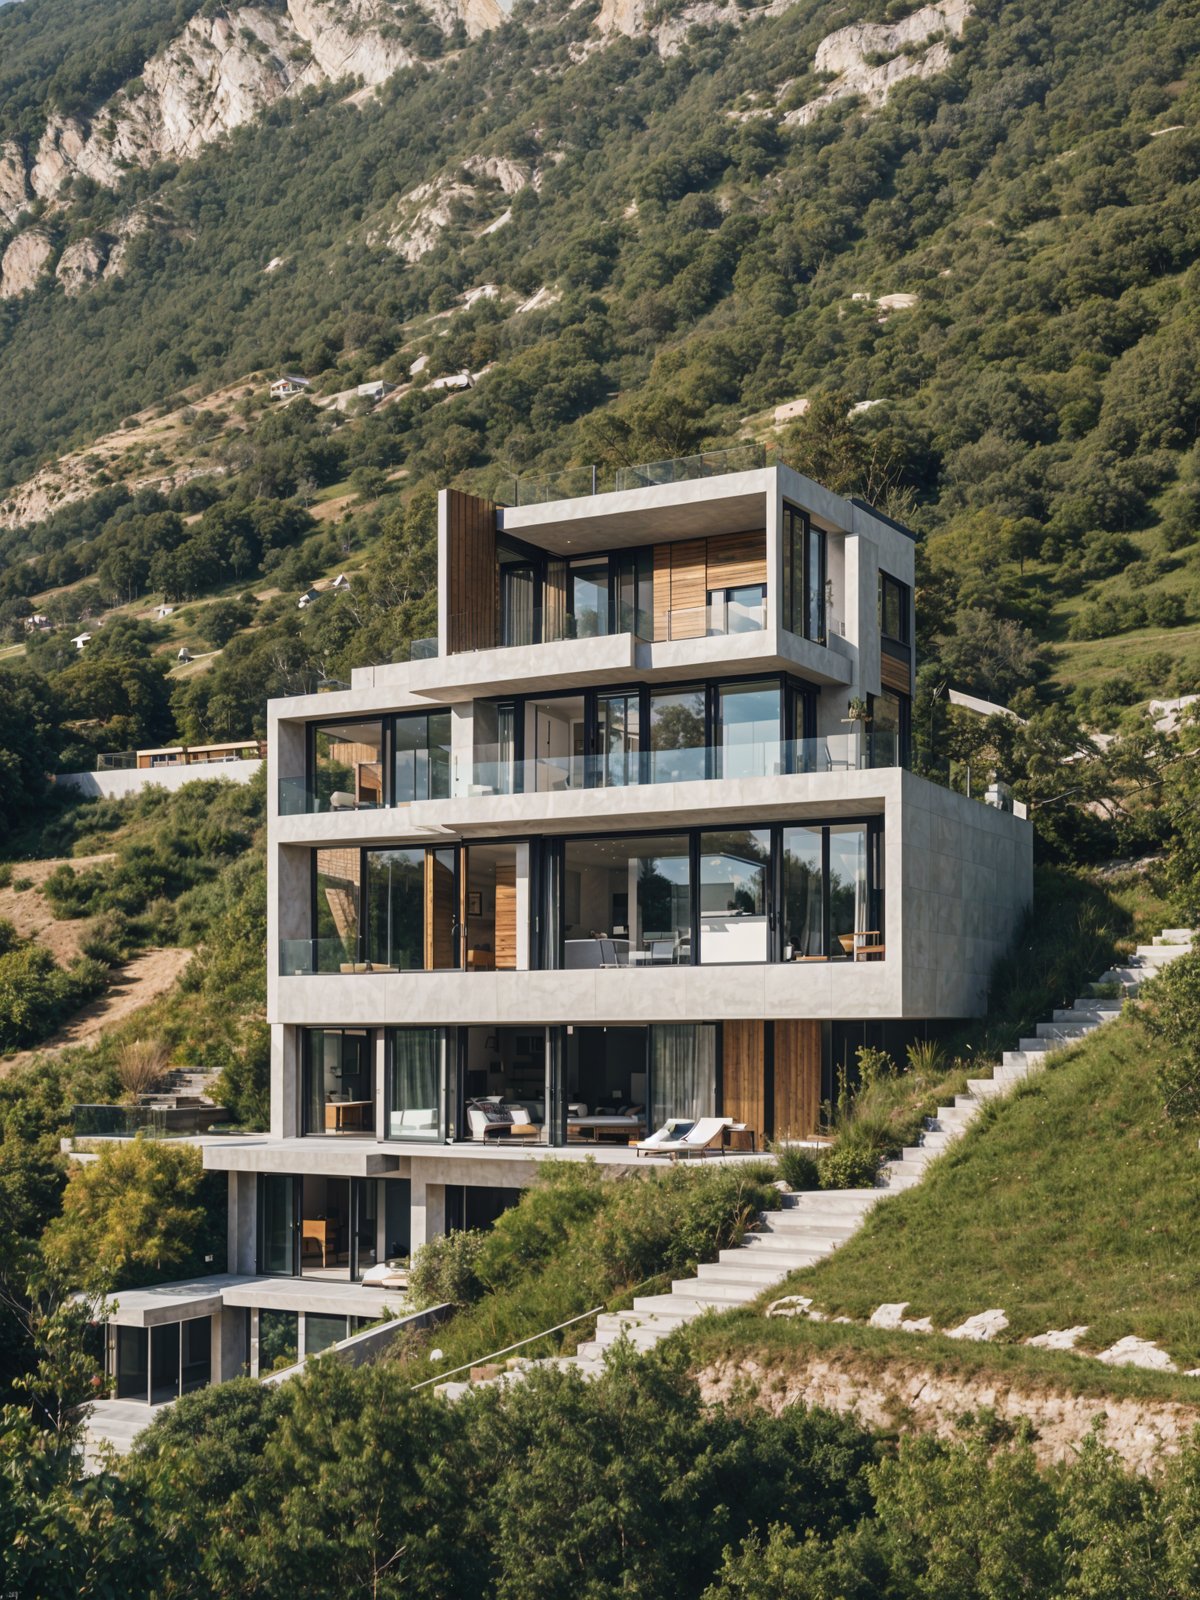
x=422, y=758
x=895, y=609
x=803, y=576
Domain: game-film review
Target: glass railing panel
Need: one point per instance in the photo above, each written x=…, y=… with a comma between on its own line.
x=423, y=649
x=304, y=958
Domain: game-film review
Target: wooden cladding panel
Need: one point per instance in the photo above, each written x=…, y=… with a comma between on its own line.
x=506, y=916
x=439, y=914
x=797, y=1078
x=473, y=600
x=689, y=595
x=743, y=1073
x=662, y=591
x=736, y=559
x=895, y=674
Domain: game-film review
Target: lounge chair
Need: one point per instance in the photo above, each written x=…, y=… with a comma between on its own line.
x=686, y=1139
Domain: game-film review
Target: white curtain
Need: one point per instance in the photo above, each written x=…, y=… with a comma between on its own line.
x=683, y=1071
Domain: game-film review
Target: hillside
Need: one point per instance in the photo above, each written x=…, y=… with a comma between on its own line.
x=642, y=230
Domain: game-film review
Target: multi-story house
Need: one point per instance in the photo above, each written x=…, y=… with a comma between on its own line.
x=637, y=840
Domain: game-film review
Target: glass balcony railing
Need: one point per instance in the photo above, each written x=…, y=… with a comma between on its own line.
x=303, y=958
x=738, y=758
x=298, y=798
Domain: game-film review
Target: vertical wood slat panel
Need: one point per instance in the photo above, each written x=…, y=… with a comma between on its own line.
x=735, y=559
x=662, y=592
x=474, y=576
x=689, y=594
x=895, y=674
x=743, y=1073
x=797, y=1078
x=439, y=914
x=506, y=916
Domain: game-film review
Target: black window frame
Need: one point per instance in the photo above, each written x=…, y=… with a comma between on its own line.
x=804, y=587
x=903, y=594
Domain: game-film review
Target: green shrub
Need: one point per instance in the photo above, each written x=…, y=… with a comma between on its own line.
x=851, y=1164
x=799, y=1169
x=36, y=994
x=21, y=884
x=1170, y=1009
x=566, y=1194
x=926, y=1058
x=444, y=1270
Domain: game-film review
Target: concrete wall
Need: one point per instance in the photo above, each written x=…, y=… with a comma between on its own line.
x=132, y=780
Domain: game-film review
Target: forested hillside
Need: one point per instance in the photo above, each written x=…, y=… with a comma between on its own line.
x=985, y=288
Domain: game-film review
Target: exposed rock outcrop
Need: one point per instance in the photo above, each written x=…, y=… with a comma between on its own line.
x=632, y=18
x=23, y=263
x=1142, y=1433
x=15, y=193
x=82, y=263
x=431, y=207
x=870, y=58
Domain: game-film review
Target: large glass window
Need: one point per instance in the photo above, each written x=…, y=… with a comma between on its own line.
x=635, y=593
x=422, y=759
x=750, y=744
x=320, y=1332
x=683, y=1071
x=196, y=1355
x=338, y=889
x=395, y=909
x=894, y=609
x=742, y=609
x=278, y=1340
x=803, y=894
x=627, y=901
x=677, y=735
x=518, y=597
x=587, y=598
x=734, y=868
x=338, y=1081
x=803, y=576
x=605, y=1085
x=618, y=739
x=277, y=1225
x=414, y=1089
x=557, y=731
x=349, y=765
x=133, y=1363
x=849, y=926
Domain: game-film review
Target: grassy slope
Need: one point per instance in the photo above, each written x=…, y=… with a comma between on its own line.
x=1072, y=1201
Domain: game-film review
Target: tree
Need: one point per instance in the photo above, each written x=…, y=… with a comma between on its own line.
x=28, y=742
x=140, y=1208
x=993, y=656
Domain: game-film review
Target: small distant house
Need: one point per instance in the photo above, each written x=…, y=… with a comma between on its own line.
x=375, y=390
x=80, y=640
x=453, y=380
x=38, y=622
x=340, y=582
x=283, y=388
x=184, y=653
x=307, y=598
x=163, y=612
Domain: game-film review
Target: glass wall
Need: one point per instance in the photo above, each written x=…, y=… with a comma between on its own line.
x=742, y=609
x=587, y=598
x=677, y=735
x=750, y=722
x=683, y=1072
x=278, y=1340
x=414, y=1083
x=320, y=1332
x=338, y=1081
x=803, y=576
x=734, y=869
x=196, y=1354
x=518, y=596
x=635, y=592
x=847, y=890
x=421, y=765
x=133, y=1363
x=618, y=739
x=395, y=910
x=277, y=1223
x=627, y=901
x=605, y=1077
x=348, y=765
x=502, y=1086
x=555, y=736
x=336, y=908
x=803, y=894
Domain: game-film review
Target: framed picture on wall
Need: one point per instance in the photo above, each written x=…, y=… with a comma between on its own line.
x=475, y=903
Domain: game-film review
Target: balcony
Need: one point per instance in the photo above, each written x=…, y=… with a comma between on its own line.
x=491, y=774
x=573, y=483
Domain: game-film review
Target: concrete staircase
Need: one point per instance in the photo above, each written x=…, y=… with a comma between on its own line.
x=1065, y=1027
x=812, y=1225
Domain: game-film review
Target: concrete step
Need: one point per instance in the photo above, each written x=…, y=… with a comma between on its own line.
x=1065, y=1030
x=762, y=1273
x=898, y=1177
x=984, y=1088
x=833, y=1224
x=666, y=1308
x=918, y=1155
x=1089, y=1011
x=1038, y=1046
x=787, y=1244
x=1175, y=936
x=952, y=1119
x=936, y=1139
x=849, y=1201
x=1160, y=955
x=715, y=1291
x=792, y=1259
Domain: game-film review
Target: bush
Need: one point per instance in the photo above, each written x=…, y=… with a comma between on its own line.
x=799, y=1169
x=141, y=1065
x=851, y=1164
x=444, y=1270
x=1170, y=1009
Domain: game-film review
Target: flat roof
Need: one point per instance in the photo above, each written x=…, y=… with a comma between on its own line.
x=205, y=1297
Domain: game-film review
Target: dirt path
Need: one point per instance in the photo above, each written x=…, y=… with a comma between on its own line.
x=30, y=912
x=133, y=986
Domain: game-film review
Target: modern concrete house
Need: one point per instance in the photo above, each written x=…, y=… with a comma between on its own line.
x=638, y=842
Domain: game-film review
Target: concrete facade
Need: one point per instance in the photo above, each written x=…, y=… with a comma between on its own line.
x=122, y=782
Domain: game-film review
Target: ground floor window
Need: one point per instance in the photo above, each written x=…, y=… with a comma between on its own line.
x=321, y=1332
x=278, y=1340
x=326, y=1227
x=161, y=1363
x=338, y=1081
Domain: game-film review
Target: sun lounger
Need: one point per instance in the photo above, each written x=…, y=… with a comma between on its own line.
x=696, y=1138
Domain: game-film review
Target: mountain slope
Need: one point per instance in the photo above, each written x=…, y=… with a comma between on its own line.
x=1000, y=259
